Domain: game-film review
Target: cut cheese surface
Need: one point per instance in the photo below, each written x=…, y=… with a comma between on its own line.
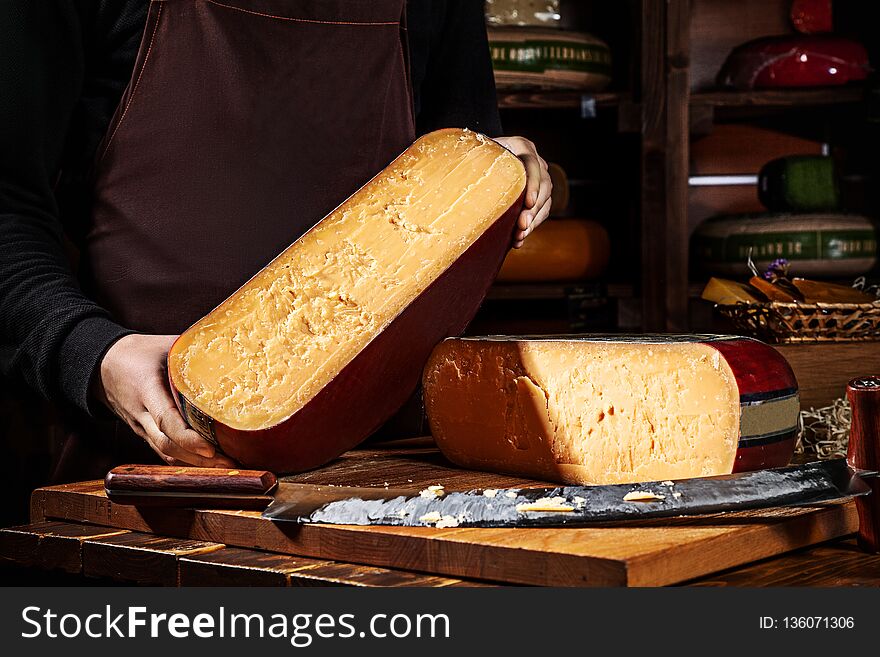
x=265, y=352
x=585, y=410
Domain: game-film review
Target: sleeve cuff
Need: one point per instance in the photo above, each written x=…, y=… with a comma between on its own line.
x=80, y=356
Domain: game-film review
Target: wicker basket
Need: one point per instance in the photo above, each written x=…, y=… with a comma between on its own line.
x=785, y=323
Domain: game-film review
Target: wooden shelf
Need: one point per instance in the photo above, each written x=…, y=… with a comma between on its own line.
x=541, y=291
x=559, y=99
x=779, y=97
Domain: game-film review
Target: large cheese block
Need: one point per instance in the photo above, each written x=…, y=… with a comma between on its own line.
x=596, y=409
x=559, y=250
x=549, y=59
x=329, y=339
x=817, y=244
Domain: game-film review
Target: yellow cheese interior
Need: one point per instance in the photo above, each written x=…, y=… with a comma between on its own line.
x=274, y=344
x=584, y=412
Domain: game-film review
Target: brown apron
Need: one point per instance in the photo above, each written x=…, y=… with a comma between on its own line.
x=245, y=122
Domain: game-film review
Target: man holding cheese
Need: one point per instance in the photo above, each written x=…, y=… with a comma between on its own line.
x=179, y=145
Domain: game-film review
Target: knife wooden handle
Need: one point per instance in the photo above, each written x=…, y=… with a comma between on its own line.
x=864, y=454
x=169, y=479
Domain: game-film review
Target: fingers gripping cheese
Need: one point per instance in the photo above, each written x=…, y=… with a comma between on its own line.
x=611, y=409
x=328, y=340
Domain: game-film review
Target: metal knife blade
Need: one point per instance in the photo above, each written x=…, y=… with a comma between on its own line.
x=822, y=481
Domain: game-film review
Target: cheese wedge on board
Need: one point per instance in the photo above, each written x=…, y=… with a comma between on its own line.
x=327, y=341
x=597, y=409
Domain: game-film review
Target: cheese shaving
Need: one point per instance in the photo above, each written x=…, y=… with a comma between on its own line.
x=546, y=504
x=642, y=496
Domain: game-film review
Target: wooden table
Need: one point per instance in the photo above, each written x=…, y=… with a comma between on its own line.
x=75, y=553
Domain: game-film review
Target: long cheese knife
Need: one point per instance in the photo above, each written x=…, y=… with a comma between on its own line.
x=433, y=506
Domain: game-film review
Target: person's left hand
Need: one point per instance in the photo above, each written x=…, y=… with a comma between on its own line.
x=538, y=187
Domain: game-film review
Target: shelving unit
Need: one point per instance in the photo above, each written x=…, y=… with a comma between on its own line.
x=664, y=94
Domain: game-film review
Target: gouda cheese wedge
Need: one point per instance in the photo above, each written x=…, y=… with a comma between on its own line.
x=611, y=409
x=328, y=340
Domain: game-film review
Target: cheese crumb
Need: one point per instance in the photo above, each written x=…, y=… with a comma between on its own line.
x=676, y=495
x=431, y=517
x=546, y=504
x=432, y=492
x=490, y=492
x=668, y=483
x=447, y=521
x=439, y=521
x=642, y=496
x=579, y=501
x=511, y=494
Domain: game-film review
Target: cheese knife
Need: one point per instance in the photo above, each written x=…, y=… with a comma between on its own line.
x=821, y=481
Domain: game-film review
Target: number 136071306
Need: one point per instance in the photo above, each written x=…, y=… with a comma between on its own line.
x=807, y=623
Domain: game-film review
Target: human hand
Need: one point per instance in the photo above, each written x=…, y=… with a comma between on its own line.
x=133, y=383
x=538, y=187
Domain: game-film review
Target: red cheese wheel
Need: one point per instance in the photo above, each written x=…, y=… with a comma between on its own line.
x=795, y=61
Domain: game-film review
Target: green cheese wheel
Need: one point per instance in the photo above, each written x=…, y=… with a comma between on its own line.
x=549, y=59
x=817, y=244
x=799, y=183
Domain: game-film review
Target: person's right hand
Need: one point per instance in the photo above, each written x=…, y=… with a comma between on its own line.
x=133, y=383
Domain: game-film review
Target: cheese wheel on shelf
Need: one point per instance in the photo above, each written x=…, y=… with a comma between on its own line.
x=795, y=61
x=598, y=409
x=559, y=250
x=560, y=195
x=548, y=59
x=817, y=244
x=325, y=343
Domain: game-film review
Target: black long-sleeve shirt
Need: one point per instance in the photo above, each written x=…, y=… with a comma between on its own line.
x=63, y=67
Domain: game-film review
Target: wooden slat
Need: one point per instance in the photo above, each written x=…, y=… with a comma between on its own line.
x=50, y=545
x=140, y=558
x=664, y=164
x=823, y=370
x=837, y=564
x=556, y=99
x=780, y=97
x=677, y=157
x=239, y=567
x=653, y=164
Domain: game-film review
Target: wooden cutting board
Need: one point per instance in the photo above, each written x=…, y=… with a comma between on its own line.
x=647, y=553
